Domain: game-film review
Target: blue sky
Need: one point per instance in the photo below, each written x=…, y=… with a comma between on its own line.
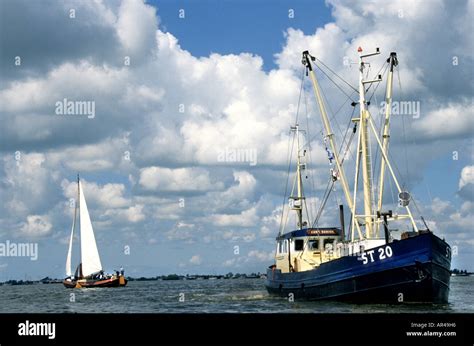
x=234, y=69
x=233, y=27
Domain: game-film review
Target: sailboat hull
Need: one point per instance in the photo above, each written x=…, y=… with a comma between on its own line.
x=418, y=270
x=91, y=283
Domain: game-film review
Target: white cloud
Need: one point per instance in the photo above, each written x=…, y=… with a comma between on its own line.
x=246, y=218
x=26, y=184
x=261, y=256
x=229, y=101
x=36, y=226
x=439, y=206
x=136, y=27
x=106, y=196
x=135, y=213
x=467, y=176
x=196, y=260
x=466, y=183
x=452, y=121
x=179, y=179
x=132, y=214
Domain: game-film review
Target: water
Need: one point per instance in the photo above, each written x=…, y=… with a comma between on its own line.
x=202, y=296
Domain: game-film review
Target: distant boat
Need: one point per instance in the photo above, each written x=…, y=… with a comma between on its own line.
x=319, y=263
x=89, y=272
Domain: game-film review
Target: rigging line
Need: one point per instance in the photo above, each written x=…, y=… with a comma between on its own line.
x=350, y=139
x=325, y=199
x=309, y=152
x=337, y=112
x=391, y=190
x=378, y=83
x=333, y=117
x=290, y=154
x=404, y=133
x=329, y=187
x=418, y=210
x=376, y=179
x=383, y=65
x=343, y=135
x=394, y=164
x=287, y=182
x=307, y=213
x=340, y=89
x=342, y=79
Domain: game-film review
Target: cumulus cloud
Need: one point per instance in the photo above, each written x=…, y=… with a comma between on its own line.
x=107, y=195
x=262, y=256
x=246, y=218
x=151, y=154
x=179, y=179
x=195, y=260
x=36, y=226
x=467, y=176
x=452, y=121
x=466, y=183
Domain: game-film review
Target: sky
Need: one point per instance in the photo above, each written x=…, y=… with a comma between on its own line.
x=176, y=85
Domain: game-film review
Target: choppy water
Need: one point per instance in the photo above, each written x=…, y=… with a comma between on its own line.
x=201, y=296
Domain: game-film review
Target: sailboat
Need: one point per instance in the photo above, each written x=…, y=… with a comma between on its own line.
x=369, y=263
x=89, y=273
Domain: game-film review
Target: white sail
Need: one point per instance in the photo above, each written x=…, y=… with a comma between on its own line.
x=69, y=253
x=89, y=254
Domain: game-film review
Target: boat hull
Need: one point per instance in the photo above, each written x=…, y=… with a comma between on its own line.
x=91, y=283
x=418, y=270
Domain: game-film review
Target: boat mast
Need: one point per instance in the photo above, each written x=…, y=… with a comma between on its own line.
x=392, y=60
x=69, y=253
x=364, y=150
x=79, y=211
x=365, y=145
x=307, y=58
x=298, y=207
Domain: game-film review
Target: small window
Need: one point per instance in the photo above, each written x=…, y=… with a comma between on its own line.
x=327, y=242
x=282, y=246
x=313, y=244
x=299, y=243
x=285, y=246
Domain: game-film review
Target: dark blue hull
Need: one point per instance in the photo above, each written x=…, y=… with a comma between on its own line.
x=418, y=270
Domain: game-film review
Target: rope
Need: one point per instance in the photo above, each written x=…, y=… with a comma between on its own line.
x=331, y=182
x=289, y=155
x=342, y=79
x=404, y=132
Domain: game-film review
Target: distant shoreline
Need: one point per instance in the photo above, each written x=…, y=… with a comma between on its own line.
x=176, y=277
x=169, y=277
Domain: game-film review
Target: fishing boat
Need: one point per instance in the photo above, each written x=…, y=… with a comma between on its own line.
x=372, y=262
x=89, y=273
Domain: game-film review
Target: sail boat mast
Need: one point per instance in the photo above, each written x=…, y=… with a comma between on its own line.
x=69, y=253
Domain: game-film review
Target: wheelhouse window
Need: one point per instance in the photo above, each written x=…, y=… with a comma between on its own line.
x=328, y=243
x=282, y=247
x=285, y=246
x=313, y=244
x=299, y=244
